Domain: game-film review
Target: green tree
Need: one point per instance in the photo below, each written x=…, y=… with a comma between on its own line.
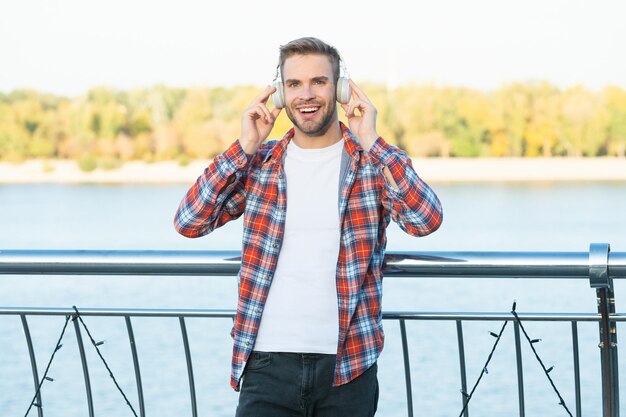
x=513, y=104
x=615, y=102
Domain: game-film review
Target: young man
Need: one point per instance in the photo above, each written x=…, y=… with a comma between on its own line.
x=316, y=204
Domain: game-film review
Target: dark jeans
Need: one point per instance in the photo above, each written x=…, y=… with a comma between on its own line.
x=300, y=385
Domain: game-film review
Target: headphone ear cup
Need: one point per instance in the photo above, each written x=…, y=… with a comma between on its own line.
x=344, y=92
x=277, y=97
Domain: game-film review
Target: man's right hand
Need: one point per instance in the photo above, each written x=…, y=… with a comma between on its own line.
x=257, y=122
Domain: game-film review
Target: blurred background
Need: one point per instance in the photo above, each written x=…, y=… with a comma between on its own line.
x=107, y=82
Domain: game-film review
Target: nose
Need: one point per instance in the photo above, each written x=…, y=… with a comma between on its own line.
x=306, y=93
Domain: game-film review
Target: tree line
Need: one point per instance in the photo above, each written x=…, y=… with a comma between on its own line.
x=106, y=127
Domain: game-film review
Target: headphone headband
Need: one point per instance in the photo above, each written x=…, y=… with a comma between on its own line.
x=278, y=76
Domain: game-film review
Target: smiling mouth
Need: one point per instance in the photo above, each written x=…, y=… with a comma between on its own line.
x=308, y=110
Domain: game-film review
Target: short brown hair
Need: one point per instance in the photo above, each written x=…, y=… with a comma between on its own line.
x=306, y=46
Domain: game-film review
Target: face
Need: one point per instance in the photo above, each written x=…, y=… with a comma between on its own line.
x=310, y=93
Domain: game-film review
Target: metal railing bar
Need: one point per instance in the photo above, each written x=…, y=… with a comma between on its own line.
x=119, y=312
x=192, y=385
x=83, y=360
x=387, y=315
x=33, y=362
x=492, y=316
x=571, y=265
x=119, y=262
x=461, y=343
x=576, y=368
x=407, y=369
x=520, y=370
x=133, y=349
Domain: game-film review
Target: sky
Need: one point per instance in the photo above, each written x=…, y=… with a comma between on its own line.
x=68, y=46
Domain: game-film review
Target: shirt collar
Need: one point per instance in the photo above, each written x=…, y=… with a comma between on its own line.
x=351, y=144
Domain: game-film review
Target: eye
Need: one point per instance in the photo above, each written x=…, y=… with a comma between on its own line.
x=292, y=84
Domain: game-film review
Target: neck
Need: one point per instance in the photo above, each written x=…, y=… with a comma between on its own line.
x=332, y=136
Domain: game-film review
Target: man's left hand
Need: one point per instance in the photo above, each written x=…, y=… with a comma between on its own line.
x=364, y=124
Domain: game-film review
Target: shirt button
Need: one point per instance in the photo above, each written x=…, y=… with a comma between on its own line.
x=275, y=245
x=280, y=175
x=247, y=343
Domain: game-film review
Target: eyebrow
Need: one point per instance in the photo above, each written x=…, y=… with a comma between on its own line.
x=320, y=78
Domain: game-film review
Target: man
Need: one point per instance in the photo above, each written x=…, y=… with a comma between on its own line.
x=316, y=204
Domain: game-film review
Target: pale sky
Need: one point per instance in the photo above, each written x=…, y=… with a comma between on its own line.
x=69, y=46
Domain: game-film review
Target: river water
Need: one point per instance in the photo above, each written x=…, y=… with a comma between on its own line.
x=524, y=216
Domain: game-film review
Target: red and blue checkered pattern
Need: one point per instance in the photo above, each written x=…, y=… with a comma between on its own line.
x=254, y=185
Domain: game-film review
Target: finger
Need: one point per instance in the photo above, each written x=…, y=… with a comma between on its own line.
x=357, y=92
x=346, y=109
x=350, y=109
x=252, y=114
x=265, y=95
x=355, y=104
x=275, y=112
x=267, y=117
x=255, y=112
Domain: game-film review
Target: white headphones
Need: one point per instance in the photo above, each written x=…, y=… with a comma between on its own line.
x=343, y=88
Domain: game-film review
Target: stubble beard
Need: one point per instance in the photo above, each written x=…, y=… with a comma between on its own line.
x=310, y=128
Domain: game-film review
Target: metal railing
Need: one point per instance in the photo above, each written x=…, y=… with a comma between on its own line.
x=599, y=266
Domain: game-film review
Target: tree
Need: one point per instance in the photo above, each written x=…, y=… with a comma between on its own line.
x=541, y=134
x=615, y=102
x=583, y=123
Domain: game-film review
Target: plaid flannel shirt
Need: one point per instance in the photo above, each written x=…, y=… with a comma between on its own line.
x=254, y=185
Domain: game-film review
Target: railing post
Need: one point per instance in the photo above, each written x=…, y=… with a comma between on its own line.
x=407, y=369
x=133, y=350
x=192, y=383
x=83, y=360
x=600, y=279
x=461, y=343
x=520, y=370
x=33, y=363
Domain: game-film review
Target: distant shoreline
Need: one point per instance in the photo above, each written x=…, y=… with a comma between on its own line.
x=436, y=170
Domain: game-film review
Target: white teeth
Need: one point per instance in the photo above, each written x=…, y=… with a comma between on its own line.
x=309, y=109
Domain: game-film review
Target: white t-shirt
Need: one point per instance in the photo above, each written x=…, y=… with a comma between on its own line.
x=301, y=312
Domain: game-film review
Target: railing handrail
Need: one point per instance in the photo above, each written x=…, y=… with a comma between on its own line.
x=229, y=313
x=470, y=264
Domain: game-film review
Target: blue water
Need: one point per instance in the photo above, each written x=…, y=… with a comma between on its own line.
x=550, y=217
